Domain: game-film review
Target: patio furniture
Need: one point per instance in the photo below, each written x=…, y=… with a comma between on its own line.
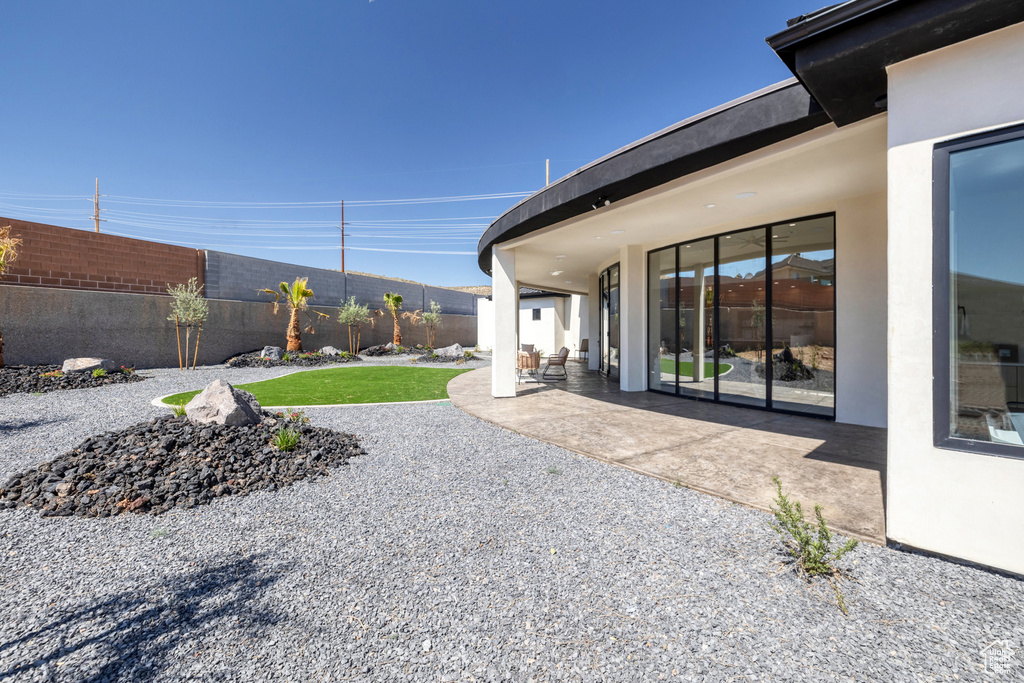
x=528, y=348
x=584, y=351
x=528, y=362
x=556, y=362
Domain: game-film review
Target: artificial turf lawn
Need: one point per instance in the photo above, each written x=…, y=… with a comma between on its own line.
x=686, y=368
x=381, y=384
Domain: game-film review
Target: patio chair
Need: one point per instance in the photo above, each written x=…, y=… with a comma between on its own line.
x=556, y=362
x=584, y=351
x=527, y=348
x=528, y=362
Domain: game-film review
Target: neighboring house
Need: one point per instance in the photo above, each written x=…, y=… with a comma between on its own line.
x=547, y=320
x=865, y=214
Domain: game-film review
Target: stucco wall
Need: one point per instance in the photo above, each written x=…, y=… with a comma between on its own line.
x=43, y=325
x=951, y=502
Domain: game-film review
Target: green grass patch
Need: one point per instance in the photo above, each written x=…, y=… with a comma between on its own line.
x=686, y=368
x=381, y=384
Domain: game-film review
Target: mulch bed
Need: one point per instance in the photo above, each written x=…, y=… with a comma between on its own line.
x=170, y=462
x=298, y=359
x=28, y=379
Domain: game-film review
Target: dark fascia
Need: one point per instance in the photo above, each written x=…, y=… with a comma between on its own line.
x=840, y=53
x=749, y=124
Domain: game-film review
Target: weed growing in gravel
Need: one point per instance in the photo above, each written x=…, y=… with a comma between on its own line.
x=809, y=544
x=296, y=416
x=99, y=372
x=678, y=484
x=286, y=439
x=157, y=533
x=554, y=470
x=286, y=357
x=179, y=410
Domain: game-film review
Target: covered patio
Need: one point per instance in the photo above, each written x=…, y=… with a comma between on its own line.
x=718, y=449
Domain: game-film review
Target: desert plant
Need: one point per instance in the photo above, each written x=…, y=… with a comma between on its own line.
x=189, y=309
x=8, y=254
x=125, y=370
x=809, y=544
x=286, y=439
x=99, y=372
x=295, y=296
x=355, y=316
x=431, y=320
x=393, y=302
x=179, y=410
x=292, y=415
x=52, y=373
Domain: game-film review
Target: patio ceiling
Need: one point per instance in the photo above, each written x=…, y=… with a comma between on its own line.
x=808, y=173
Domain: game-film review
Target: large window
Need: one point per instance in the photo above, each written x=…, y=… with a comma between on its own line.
x=610, y=322
x=979, y=293
x=747, y=318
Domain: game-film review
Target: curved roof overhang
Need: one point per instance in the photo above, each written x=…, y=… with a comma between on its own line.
x=751, y=123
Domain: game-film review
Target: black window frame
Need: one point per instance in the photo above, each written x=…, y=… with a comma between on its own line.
x=941, y=350
x=769, y=331
x=536, y=314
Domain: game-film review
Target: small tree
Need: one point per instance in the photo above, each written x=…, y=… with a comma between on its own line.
x=8, y=254
x=189, y=309
x=296, y=296
x=393, y=302
x=355, y=316
x=431, y=320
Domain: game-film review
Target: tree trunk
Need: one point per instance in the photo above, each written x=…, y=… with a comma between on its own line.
x=397, y=340
x=294, y=332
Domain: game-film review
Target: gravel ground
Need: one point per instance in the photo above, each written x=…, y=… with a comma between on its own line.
x=454, y=550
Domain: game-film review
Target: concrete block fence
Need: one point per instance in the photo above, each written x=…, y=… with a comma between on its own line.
x=48, y=325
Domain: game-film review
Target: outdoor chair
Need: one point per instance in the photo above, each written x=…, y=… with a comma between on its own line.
x=527, y=348
x=556, y=362
x=528, y=362
x=584, y=351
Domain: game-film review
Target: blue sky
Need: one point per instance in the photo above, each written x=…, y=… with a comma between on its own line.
x=225, y=107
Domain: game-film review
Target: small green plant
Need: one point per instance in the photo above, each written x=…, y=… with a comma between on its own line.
x=127, y=371
x=179, y=410
x=678, y=484
x=286, y=357
x=815, y=356
x=554, y=470
x=157, y=533
x=809, y=544
x=99, y=372
x=286, y=439
x=467, y=354
x=53, y=373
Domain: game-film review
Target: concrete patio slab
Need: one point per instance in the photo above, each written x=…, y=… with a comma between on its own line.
x=722, y=450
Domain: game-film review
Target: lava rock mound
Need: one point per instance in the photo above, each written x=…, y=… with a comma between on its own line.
x=169, y=462
x=388, y=349
x=29, y=379
x=296, y=359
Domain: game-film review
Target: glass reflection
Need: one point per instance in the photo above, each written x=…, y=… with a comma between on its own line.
x=742, y=318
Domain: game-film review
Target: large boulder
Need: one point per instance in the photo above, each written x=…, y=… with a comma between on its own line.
x=453, y=351
x=272, y=352
x=330, y=351
x=88, y=365
x=222, y=404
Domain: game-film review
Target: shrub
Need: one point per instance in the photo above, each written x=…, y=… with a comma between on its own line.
x=286, y=439
x=179, y=410
x=355, y=316
x=431, y=320
x=809, y=544
x=286, y=357
x=296, y=416
x=189, y=308
x=99, y=372
x=127, y=371
x=53, y=373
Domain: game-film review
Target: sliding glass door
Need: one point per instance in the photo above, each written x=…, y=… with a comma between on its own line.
x=610, y=322
x=747, y=317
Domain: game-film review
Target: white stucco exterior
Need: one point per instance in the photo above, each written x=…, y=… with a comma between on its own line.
x=957, y=503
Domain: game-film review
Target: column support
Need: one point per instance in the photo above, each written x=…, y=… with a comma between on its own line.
x=632, y=323
x=594, y=321
x=505, y=296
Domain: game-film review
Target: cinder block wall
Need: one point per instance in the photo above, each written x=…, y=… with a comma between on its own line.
x=49, y=325
x=77, y=259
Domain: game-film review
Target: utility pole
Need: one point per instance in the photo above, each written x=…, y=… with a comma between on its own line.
x=96, y=206
x=343, y=235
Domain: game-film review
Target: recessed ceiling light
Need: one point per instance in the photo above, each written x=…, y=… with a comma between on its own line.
x=560, y=257
x=688, y=246
x=597, y=237
x=792, y=225
x=728, y=237
x=568, y=282
x=709, y=206
x=618, y=232
x=556, y=272
x=775, y=236
x=746, y=195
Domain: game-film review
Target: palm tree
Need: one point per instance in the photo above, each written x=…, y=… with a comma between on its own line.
x=295, y=295
x=8, y=254
x=393, y=302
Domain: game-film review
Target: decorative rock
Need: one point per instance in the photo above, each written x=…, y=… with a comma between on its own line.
x=272, y=352
x=222, y=404
x=453, y=351
x=88, y=365
x=330, y=351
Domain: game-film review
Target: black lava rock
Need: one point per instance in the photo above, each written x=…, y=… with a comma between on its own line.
x=29, y=379
x=170, y=462
x=388, y=350
x=296, y=358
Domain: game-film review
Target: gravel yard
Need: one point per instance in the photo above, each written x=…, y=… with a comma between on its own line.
x=453, y=550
